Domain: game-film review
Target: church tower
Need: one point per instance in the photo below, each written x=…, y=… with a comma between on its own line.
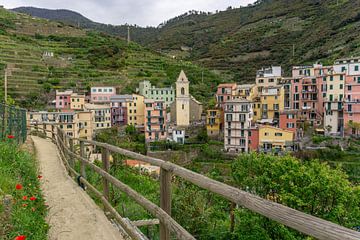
x=182, y=101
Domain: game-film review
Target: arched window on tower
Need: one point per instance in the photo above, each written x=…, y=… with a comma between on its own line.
x=182, y=91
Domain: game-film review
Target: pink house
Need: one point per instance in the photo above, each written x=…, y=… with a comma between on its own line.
x=254, y=139
x=102, y=94
x=287, y=120
x=352, y=102
x=155, y=120
x=224, y=93
x=63, y=100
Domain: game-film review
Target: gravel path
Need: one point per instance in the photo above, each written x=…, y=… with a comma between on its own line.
x=73, y=215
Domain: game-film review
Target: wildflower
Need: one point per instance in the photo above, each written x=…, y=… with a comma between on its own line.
x=10, y=137
x=33, y=209
x=32, y=198
x=39, y=177
x=22, y=237
x=24, y=205
x=24, y=198
x=19, y=186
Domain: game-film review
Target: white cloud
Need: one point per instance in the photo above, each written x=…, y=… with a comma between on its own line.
x=140, y=12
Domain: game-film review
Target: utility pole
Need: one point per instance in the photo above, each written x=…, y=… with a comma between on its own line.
x=293, y=50
x=128, y=35
x=5, y=84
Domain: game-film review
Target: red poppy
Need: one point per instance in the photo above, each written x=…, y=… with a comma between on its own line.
x=19, y=186
x=32, y=198
x=24, y=198
x=10, y=137
x=39, y=177
x=22, y=237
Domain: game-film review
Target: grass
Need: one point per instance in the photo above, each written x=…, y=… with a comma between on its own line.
x=19, y=167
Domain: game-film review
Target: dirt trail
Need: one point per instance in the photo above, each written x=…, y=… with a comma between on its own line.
x=73, y=215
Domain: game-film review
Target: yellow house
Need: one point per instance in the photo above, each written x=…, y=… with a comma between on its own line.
x=272, y=138
x=101, y=115
x=214, y=122
x=135, y=110
x=77, y=102
x=335, y=87
x=84, y=125
x=272, y=102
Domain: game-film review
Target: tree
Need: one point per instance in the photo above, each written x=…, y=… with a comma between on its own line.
x=311, y=187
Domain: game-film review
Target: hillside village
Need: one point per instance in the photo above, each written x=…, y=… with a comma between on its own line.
x=273, y=114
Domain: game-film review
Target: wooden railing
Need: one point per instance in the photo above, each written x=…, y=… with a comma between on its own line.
x=304, y=223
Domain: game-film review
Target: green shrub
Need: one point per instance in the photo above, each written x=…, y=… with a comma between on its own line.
x=18, y=167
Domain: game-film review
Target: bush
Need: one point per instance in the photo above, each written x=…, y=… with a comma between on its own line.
x=18, y=167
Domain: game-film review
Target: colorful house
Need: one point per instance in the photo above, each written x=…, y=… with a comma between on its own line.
x=225, y=92
x=77, y=102
x=127, y=110
x=238, y=116
x=155, y=120
x=119, y=110
x=166, y=94
x=101, y=115
x=272, y=103
x=288, y=120
x=100, y=95
x=275, y=139
x=63, y=100
x=214, y=122
x=334, y=111
x=350, y=66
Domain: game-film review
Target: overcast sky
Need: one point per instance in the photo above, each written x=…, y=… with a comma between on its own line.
x=140, y=12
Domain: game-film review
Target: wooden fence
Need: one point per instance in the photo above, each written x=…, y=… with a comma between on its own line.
x=304, y=223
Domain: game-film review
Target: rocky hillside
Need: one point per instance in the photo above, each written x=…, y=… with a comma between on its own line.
x=47, y=55
x=278, y=32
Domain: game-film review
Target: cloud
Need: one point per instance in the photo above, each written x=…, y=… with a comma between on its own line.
x=140, y=12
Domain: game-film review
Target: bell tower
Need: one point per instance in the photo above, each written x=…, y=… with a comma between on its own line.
x=182, y=100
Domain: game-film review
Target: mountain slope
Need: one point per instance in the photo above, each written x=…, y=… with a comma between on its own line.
x=82, y=59
x=269, y=32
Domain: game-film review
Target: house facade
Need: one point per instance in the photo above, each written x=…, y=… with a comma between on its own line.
x=237, y=117
x=149, y=91
x=101, y=95
x=155, y=120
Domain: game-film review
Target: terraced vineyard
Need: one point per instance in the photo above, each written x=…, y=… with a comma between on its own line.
x=78, y=59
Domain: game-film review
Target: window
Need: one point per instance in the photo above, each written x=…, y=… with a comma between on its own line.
x=331, y=87
x=341, y=86
x=349, y=108
x=343, y=69
x=267, y=134
x=182, y=91
x=278, y=134
x=341, y=77
x=296, y=88
x=290, y=125
x=331, y=78
x=94, y=90
x=261, y=80
x=349, y=88
x=356, y=68
x=183, y=106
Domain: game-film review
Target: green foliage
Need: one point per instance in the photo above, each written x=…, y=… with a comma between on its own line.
x=202, y=136
x=311, y=187
x=320, y=139
x=18, y=167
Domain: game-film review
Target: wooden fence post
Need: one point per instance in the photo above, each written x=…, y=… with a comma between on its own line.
x=53, y=133
x=72, y=160
x=82, y=164
x=105, y=155
x=44, y=129
x=165, y=200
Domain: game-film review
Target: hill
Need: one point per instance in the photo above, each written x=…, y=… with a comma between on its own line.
x=269, y=32
x=82, y=59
